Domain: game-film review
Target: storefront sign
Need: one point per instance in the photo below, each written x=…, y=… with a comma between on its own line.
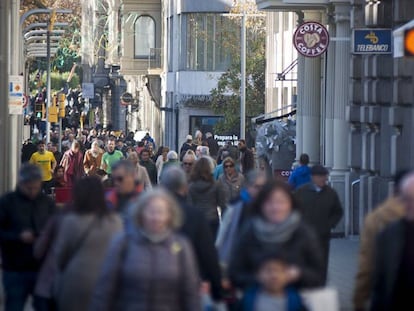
x=311, y=39
x=16, y=94
x=223, y=139
x=372, y=41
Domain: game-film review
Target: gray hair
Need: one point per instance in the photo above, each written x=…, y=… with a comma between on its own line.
x=29, y=172
x=137, y=207
x=204, y=150
x=172, y=155
x=128, y=166
x=174, y=179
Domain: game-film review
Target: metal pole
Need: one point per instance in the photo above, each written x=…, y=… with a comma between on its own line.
x=48, y=86
x=4, y=91
x=243, y=77
x=60, y=135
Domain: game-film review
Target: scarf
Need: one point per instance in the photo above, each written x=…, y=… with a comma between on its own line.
x=155, y=238
x=276, y=233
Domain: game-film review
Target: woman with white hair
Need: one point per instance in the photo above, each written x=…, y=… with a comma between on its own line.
x=149, y=267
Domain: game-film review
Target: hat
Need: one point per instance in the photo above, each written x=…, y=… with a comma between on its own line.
x=29, y=172
x=319, y=170
x=189, y=137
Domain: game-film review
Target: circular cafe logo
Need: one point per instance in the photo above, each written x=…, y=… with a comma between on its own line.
x=311, y=39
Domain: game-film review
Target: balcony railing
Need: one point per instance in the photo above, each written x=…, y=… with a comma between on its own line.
x=154, y=59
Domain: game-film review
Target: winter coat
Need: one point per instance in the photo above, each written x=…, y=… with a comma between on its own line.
x=300, y=176
x=246, y=160
x=196, y=229
x=302, y=249
x=293, y=300
x=207, y=197
x=321, y=210
x=142, y=275
x=231, y=187
x=389, y=211
x=389, y=254
x=73, y=165
x=151, y=169
x=19, y=213
x=212, y=146
x=91, y=164
x=79, y=268
x=142, y=176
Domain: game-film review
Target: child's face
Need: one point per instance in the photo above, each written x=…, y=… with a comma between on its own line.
x=274, y=276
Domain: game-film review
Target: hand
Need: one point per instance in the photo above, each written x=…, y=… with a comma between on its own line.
x=27, y=236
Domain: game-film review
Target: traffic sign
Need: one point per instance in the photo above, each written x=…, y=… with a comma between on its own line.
x=126, y=99
x=25, y=101
x=409, y=42
x=88, y=90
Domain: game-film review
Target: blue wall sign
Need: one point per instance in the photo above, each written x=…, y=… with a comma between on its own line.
x=372, y=41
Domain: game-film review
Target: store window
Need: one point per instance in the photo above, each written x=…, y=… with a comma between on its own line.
x=144, y=36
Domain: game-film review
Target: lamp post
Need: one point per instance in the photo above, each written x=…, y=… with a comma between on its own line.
x=243, y=75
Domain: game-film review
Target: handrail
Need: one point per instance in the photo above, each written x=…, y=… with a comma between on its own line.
x=353, y=184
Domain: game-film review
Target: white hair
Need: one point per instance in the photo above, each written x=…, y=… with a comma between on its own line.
x=407, y=183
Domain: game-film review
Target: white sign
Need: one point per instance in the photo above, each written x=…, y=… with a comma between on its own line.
x=88, y=90
x=16, y=95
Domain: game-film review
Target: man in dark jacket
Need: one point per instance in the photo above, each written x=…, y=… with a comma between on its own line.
x=196, y=229
x=147, y=162
x=212, y=145
x=23, y=214
x=393, y=285
x=320, y=208
x=188, y=145
x=246, y=157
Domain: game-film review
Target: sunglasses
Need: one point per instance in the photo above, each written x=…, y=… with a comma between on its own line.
x=228, y=166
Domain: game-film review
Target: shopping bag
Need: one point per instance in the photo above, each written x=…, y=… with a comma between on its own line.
x=321, y=299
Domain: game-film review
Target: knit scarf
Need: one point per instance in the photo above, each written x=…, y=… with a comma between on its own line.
x=268, y=232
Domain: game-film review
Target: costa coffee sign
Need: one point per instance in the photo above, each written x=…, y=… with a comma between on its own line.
x=311, y=39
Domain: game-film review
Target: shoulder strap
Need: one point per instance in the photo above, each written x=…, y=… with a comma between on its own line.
x=81, y=241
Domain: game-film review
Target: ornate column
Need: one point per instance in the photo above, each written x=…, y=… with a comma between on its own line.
x=342, y=81
x=310, y=100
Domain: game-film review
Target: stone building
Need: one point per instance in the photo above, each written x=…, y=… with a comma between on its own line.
x=354, y=111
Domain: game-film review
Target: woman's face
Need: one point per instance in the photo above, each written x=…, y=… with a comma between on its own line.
x=156, y=216
x=277, y=207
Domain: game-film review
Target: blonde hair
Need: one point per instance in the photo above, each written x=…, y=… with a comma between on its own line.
x=137, y=207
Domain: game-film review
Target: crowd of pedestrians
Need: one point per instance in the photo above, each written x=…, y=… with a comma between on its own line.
x=186, y=231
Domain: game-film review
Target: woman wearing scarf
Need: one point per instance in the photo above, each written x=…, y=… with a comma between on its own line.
x=276, y=226
x=72, y=162
x=93, y=159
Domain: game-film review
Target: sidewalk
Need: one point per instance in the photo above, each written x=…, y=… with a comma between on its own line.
x=343, y=263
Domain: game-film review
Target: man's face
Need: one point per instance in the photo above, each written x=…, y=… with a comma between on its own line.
x=241, y=145
x=320, y=180
x=124, y=183
x=31, y=189
x=111, y=145
x=145, y=156
x=41, y=148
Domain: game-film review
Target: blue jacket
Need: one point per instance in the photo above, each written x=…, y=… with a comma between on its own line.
x=294, y=301
x=300, y=176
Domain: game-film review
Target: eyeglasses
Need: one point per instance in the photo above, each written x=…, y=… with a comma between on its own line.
x=228, y=166
x=187, y=163
x=119, y=179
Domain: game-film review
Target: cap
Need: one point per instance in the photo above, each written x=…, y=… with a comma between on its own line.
x=319, y=170
x=29, y=172
x=189, y=137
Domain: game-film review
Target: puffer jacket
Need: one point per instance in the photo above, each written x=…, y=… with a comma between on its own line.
x=207, y=197
x=139, y=274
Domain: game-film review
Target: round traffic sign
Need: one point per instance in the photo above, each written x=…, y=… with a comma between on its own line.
x=25, y=101
x=126, y=99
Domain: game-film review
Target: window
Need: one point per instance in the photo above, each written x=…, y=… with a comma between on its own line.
x=205, y=43
x=144, y=36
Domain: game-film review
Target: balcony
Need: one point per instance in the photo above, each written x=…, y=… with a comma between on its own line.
x=155, y=61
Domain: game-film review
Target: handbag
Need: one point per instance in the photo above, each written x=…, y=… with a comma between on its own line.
x=321, y=299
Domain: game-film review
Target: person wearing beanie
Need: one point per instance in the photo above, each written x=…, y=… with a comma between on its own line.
x=320, y=208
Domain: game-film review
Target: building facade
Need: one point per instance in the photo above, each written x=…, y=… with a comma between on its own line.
x=354, y=111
